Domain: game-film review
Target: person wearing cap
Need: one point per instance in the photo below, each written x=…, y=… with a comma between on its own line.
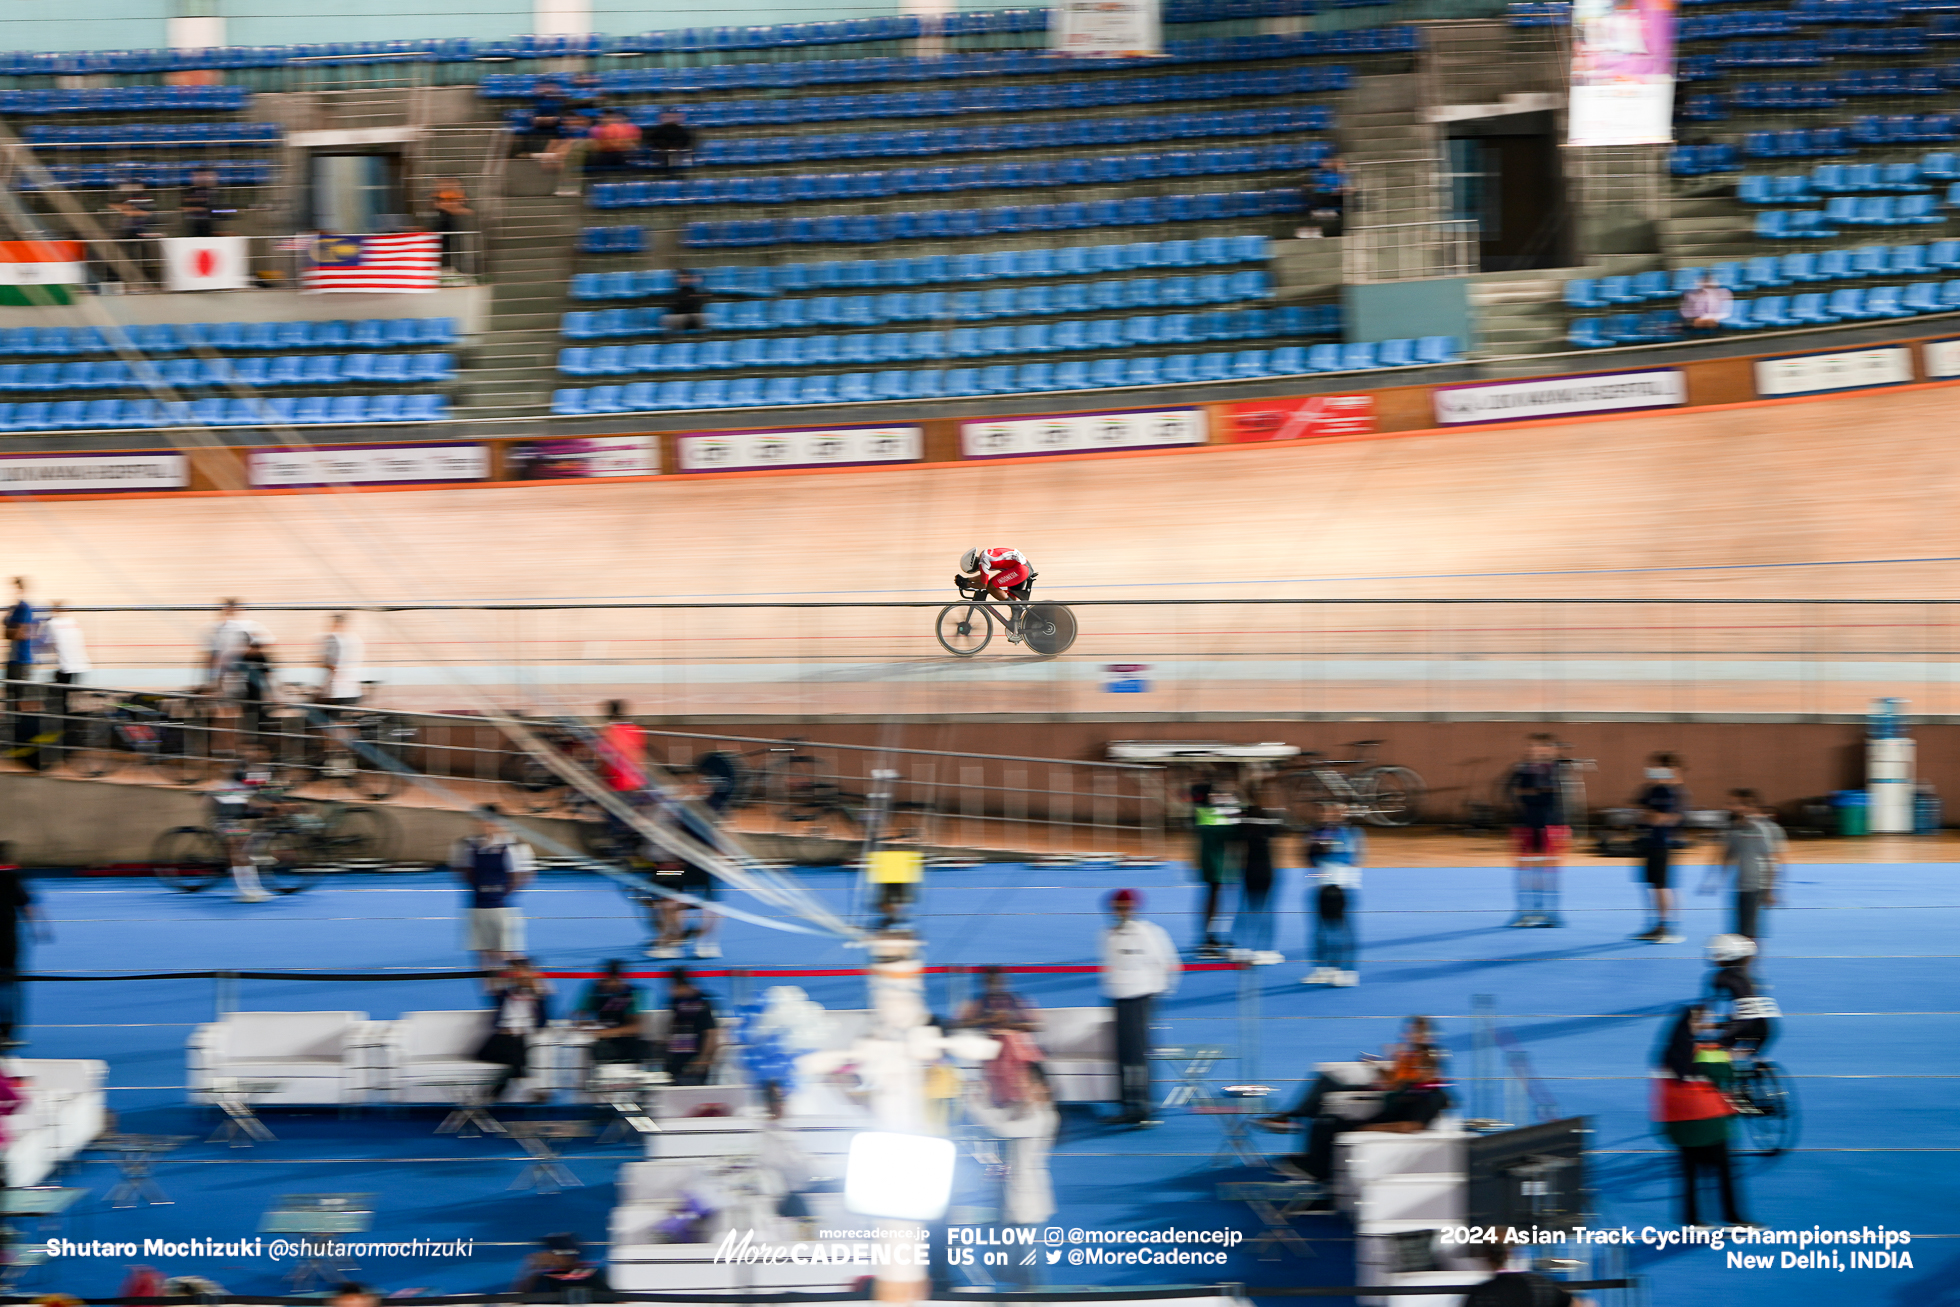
x=495, y=864
x=1139, y=962
x=559, y=1273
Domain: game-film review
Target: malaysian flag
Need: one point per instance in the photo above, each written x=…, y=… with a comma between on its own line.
x=374, y=263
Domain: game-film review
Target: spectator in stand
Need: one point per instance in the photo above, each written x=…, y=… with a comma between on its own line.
x=450, y=214
x=566, y=154
x=561, y=1274
x=1754, y=847
x=23, y=633
x=610, y=1008
x=1328, y=199
x=1540, y=831
x=522, y=1001
x=495, y=865
x=548, y=110
x=1707, y=308
x=198, y=205
x=671, y=142
x=1515, y=1288
x=693, y=1037
x=1663, y=804
x=688, y=310
x=135, y=223
x=1139, y=962
x=615, y=138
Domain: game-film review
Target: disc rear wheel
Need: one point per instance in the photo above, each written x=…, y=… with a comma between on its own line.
x=1048, y=628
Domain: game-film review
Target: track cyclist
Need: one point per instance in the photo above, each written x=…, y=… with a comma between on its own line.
x=1004, y=574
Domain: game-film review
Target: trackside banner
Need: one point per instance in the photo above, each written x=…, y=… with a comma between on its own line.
x=40, y=474
x=1550, y=397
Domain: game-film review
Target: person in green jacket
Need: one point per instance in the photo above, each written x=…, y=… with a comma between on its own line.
x=1692, y=1059
x=1215, y=815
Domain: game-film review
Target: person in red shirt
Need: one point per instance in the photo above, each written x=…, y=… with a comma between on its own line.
x=1003, y=573
x=622, y=751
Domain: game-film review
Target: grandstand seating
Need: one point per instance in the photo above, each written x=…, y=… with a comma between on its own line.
x=150, y=414
x=258, y=337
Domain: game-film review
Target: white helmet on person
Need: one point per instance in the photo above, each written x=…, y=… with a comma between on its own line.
x=1725, y=949
x=970, y=560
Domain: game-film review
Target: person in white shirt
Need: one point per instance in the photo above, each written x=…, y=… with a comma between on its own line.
x=227, y=639
x=343, y=655
x=1139, y=962
x=63, y=640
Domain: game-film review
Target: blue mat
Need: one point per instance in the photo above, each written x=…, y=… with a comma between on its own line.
x=1860, y=961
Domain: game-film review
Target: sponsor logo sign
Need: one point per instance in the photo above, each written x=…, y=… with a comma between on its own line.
x=41, y=474
x=1078, y=433
x=1298, y=419
x=1851, y=369
x=583, y=456
x=368, y=465
x=747, y=451
x=1547, y=397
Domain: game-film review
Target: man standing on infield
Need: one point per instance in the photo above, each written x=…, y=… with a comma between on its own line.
x=1139, y=962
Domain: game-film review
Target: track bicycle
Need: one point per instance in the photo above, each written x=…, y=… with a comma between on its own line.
x=290, y=847
x=809, y=811
x=1380, y=794
x=965, y=628
x=109, y=732
x=1765, y=1106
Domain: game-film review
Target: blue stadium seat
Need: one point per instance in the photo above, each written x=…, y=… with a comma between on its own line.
x=1144, y=372
x=1356, y=355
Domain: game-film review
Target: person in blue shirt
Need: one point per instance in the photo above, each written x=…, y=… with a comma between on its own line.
x=1336, y=849
x=1663, y=804
x=610, y=1006
x=23, y=630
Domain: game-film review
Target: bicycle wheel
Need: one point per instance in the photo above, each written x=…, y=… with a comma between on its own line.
x=539, y=789
x=1048, y=628
x=1303, y=791
x=358, y=835
x=1396, y=795
x=964, y=629
x=1768, y=1114
x=188, y=858
x=95, y=752
x=289, y=862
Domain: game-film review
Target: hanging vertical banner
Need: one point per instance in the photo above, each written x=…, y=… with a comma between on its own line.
x=1622, y=72
x=1106, y=29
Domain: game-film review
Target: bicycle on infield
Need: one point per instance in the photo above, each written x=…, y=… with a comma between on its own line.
x=291, y=845
x=809, y=811
x=1765, y=1106
x=1380, y=794
x=110, y=731
x=965, y=628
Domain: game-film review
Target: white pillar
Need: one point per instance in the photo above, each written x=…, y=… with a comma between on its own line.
x=195, y=31
x=561, y=17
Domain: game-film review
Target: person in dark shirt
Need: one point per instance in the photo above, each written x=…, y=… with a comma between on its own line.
x=692, y=1037
x=199, y=204
x=548, y=109
x=561, y=1274
x=1663, y=804
x=23, y=630
x=1515, y=1288
x=16, y=906
x=611, y=1006
x=671, y=142
x=1540, y=830
x=687, y=311
x=1258, y=828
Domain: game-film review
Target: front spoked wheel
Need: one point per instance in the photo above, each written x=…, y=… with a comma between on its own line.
x=1768, y=1111
x=964, y=629
x=1048, y=628
x=1395, y=795
x=189, y=859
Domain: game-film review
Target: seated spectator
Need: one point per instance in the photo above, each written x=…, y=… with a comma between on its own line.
x=692, y=1036
x=610, y=1007
x=548, y=110
x=198, y=205
x=687, y=311
x=560, y=1273
x=588, y=94
x=615, y=139
x=566, y=154
x=1327, y=200
x=1011, y=1019
x=1515, y=1288
x=671, y=142
x=1707, y=306
x=523, y=1007
x=1413, y=1096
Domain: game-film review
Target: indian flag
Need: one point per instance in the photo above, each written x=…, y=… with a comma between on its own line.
x=40, y=272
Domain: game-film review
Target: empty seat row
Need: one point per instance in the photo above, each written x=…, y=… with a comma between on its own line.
x=930, y=306
x=1553, y=13
x=1759, y=96
x=137, y=136
x=192, y=373
x=1848, y=264
x=108, y=176
x=1831, y=179
x=612, y=240
x=988, y=138
x=125, y=99
x=1702, y=160
x=1847, y=211
x=999, y=379
x=169, y=338
x=816, y=188
x=954, y=224
x=1812, y=308
x=1744, y=22
x=999, y=265
x=961, y=342
x=141, y=414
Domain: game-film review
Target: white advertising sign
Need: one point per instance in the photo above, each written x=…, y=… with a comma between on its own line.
x=748, y=451
x=369, y=465
x=1080, y=433
x=582, y=456
x=29, y=474
x=1507, y=401
x=1107, y=29
x=1851, y=369
x=1942, y=359
x=1622, y=72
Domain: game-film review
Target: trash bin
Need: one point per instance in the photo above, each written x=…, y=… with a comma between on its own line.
x=1928, y=813
x=1853, y=812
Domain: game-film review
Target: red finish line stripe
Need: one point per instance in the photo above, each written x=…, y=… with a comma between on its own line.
x=859, y=971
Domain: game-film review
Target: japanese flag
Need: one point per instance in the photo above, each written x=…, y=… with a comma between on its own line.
x=205, y=263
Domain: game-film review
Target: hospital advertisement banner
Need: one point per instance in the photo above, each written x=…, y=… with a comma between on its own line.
x=1622, y=73
x=1107, y=29
x=1082, y=433
x=94, y=474
x=1306, y=418
x=1552, y=397
x=367, y=465
x=756, y=451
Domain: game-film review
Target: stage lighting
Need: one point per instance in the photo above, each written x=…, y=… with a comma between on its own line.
x=905, y=1177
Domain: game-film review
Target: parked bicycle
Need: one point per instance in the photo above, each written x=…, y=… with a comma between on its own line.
x=362, y=749
x=965, y=628
x=1378, y=793
x=809, y=813
x=291, y=847
x=110, y=732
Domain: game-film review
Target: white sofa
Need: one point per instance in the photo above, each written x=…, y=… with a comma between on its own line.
x=314, y=1057
x=63, y=1114
x=424, y=1053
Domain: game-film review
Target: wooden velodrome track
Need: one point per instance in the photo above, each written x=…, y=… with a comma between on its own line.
x=1766, y=501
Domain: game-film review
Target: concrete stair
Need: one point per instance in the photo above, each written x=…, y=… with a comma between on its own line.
x=515, y=365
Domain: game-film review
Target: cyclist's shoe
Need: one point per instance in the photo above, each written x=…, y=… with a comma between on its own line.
x=1667, y=937
x=706, y=948
x=1524, y=920
x=1013, y=637
x=1555, y=923
x=665, y=952
x=252, y=896
x=1321, y=976
x=1650, y=936
x=1346, y=979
